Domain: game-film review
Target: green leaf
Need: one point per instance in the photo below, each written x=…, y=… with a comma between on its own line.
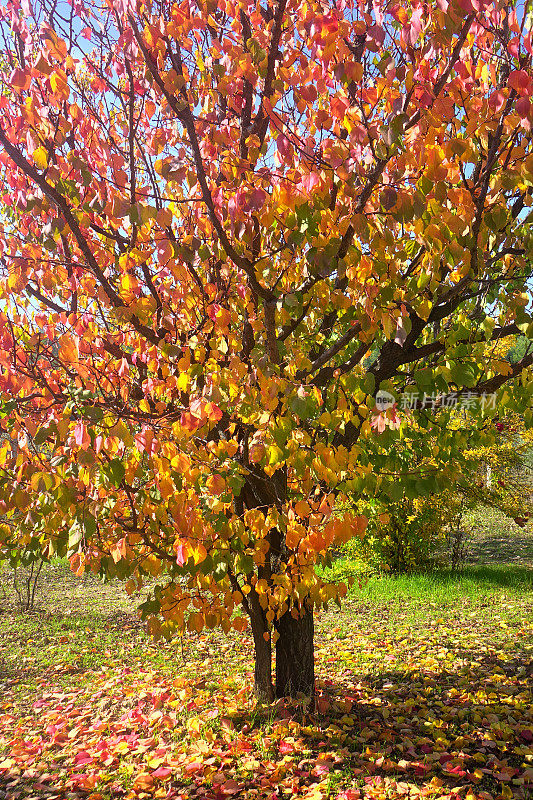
x=463, y=375
x=368, y=383
x=43, y=434
x=394, y=491
x=89, y=524
x=301, y=406
x=424, y=378
x=94, y=413
x=75, y=535
x=114, y=471
x=8, y=407
x=220, y=571
x=244, y=564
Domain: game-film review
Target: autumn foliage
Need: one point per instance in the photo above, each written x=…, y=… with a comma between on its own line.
x=225, y=227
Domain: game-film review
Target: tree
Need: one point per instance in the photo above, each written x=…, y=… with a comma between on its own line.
x=421, y=532
x=226, y=228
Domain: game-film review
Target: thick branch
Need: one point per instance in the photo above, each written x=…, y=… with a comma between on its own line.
x=260, y=125
x=341, y=342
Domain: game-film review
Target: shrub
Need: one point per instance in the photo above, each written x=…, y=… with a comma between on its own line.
x=407, y=535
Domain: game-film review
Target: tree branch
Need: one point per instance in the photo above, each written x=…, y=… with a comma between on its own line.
x=62, y=205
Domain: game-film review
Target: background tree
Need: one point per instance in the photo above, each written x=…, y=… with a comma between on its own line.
x=225, y=227
x=413, y=533
x=421, y=532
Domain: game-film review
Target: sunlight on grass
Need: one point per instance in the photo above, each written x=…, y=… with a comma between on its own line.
x=415, y=675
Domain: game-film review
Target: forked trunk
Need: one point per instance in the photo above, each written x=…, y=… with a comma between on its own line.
x=295, y=669
x=295, y=665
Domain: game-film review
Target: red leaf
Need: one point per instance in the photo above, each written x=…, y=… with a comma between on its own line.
x=309, y=181
x=284, y=146
x=189, y=422
x=496, y=100
x=519, y=80
x=182, y=553
x=82, y=758
x=214, y=413
x=19, y=79
x=523, y=107
x=230, y=787
x=81, y=437
x=162, y=772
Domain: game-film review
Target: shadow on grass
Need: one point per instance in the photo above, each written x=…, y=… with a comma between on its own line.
x=14, y=787
x=464, y=729
x=502, y=547
x=508, y=576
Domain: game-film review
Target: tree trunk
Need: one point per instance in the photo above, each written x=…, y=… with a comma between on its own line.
x=295, y=665
x=264, y=691
x=295, y=668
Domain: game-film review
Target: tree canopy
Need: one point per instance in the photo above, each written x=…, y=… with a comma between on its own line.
x=226, y=227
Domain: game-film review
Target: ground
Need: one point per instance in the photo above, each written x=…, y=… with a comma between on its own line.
x=424, y=689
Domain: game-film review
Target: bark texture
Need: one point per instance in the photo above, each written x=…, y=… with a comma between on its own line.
x=263, y=688
x=295, y=664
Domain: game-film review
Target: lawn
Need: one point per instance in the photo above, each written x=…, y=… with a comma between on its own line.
x=424, y=689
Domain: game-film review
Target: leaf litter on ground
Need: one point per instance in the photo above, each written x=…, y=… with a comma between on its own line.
x=415, y=698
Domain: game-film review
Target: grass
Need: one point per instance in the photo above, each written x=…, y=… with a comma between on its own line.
x=439, y=585
x=497, y=539
x=413, y=673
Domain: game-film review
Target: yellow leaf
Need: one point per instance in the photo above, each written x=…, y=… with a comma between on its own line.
x=40, y=157
x=129, y=283
x=302, y=508
x=275, y=455
x=194, y=725
x=180, y=463
x=196, y=622
x=4, y=452
x=173, y=81
x=166, y=487
x=199, y=553
x=15, y=281
x=143, y=782
x=35, y=481
x=154, y=627
x=216, y=484
x=58, y=82
x=164, y=217
x=68, y=349
x=424, y=309
x=389, y=325
x=182, y=383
